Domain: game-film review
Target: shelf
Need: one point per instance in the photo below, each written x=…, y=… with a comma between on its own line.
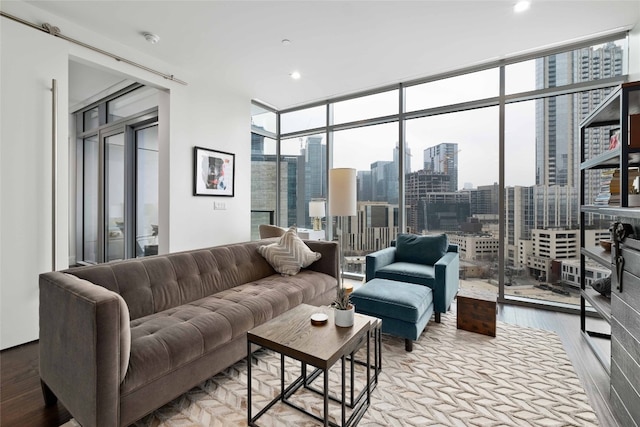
x=598, y=209
x=601, y=304
x=615, y=110
x=599, y=255
x=608, y=112
x=611, y=159
x=605, y=360
x=632, y=213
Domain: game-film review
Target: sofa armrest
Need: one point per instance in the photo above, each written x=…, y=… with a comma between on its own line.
x=329, y=263
x=377, y=260
x=447, y=281
x=81, y=346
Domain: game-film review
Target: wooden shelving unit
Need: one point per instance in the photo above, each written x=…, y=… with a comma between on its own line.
x=615, y=110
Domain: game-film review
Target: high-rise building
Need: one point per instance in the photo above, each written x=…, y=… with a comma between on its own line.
x=557, y=117
x=443, y=158
x=519, y=221
x=257, y=143
x=442, y=211
x=555, y=206
x=407, y=158
x=315, y=171
x=486, y=200
x=302, y=178
x=541, y=217
x=380, y=180
x=263, y=190
x=365, y=191
x=417, y=186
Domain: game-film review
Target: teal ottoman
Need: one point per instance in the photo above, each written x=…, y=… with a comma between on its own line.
x=405, y=308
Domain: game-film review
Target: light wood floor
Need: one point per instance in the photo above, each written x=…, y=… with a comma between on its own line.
x=22, y=405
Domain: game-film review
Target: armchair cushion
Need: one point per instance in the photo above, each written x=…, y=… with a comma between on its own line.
x=408, y=272
x=426, y=250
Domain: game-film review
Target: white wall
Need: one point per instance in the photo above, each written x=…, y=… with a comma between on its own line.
x=202, y=113
x=220, y=120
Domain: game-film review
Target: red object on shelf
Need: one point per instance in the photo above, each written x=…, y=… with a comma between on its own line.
x=613, y=140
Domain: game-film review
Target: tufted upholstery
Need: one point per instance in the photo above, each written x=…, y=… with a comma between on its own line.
x=154, y=284
x=166, y=340
x=189, y=313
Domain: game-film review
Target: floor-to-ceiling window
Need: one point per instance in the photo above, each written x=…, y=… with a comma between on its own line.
x=453, y=187
x=550, y=96
x=438, y=144
x=117, y=177
x=377, y=220
x=303, y=177
x=264, y=174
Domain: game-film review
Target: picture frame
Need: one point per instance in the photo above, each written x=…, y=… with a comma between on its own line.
x=213, y=172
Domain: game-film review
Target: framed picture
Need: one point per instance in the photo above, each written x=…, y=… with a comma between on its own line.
x=213, y=172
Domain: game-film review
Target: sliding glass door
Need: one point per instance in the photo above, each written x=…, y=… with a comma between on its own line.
x=114, y=193
x=117, y=179
x=146, y=141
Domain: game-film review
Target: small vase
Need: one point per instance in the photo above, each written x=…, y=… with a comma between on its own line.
x=344, y=318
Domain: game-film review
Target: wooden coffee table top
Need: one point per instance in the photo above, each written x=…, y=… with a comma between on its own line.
x=293, y=335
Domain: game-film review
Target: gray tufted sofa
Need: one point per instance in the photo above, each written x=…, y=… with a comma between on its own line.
x=119, y=340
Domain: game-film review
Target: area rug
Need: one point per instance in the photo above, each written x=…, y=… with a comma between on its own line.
x=522, y=377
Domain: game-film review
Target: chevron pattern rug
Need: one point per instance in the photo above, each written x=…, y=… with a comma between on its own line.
x=522, y=377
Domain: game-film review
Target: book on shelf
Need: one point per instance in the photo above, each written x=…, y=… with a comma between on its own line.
x=602, y=198
x=614, y=184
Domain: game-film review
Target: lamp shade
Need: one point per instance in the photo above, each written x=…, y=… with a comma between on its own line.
x=316, y=209
x=342, y=192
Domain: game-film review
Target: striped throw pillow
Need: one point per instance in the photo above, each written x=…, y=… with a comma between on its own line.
x=289, y=254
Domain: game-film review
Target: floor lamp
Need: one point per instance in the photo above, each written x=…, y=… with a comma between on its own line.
x=342, y=203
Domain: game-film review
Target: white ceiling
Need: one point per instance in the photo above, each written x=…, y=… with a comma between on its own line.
x=340, y=47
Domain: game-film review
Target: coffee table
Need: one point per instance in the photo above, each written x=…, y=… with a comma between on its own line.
x=292, y=335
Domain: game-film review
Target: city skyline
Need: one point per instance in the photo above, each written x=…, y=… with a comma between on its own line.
x=475, y=131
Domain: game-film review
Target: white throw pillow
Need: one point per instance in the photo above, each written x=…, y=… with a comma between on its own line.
x=289, y=254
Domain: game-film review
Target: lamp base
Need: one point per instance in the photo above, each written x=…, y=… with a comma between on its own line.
x=317, y=224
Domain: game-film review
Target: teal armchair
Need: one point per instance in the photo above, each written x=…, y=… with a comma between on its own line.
x=424, y=260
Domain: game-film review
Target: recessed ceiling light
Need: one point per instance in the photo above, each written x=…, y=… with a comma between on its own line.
x=286, y=42
x=521, y=6
x=151, y=38
x=295, y=75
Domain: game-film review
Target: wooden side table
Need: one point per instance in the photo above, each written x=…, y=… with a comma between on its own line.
x=477, y=311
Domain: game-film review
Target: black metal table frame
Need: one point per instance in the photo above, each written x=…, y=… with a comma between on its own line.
x=304, y=381
x=376, y=333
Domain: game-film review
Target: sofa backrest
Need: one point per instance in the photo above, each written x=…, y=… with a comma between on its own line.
x=153, y=284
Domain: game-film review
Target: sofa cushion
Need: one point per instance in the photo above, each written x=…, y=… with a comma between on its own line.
x=289, y=254
x=421, y=249
x=165, y=341
x=408, y=272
